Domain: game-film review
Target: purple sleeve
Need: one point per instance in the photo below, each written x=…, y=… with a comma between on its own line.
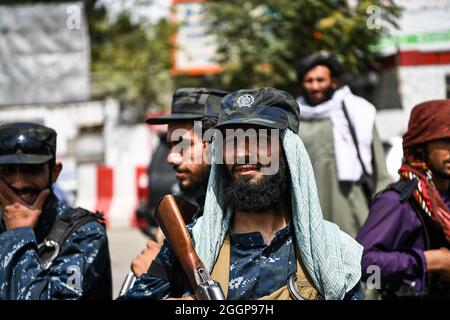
x=393, y=239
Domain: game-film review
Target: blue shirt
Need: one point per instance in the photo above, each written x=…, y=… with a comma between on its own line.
x=256, y=269
x=80, y=271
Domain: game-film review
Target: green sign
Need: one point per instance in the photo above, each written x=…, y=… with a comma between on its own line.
x=412, y=39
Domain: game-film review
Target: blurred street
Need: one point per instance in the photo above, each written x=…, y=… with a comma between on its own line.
x=124, y=245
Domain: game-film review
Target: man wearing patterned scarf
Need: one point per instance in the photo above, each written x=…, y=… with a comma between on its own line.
x=262, y=234
x=407, y=233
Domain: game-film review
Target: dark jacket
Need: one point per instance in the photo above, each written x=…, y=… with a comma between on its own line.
x=395, y=236
x=82, y=269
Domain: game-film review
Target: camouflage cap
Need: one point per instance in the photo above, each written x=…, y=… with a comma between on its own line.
x=192, y=104
x=26, y=143
x=267, y=107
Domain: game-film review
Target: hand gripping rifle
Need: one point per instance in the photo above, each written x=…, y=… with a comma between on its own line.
x=188, y=210
x=170, y=220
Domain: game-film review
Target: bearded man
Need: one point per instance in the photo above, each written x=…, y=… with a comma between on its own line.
x=407, y=233
x=262, y=233
x=339, y=133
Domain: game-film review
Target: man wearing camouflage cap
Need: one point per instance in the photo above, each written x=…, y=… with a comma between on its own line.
x=262, y=233
x=48, y=250
x=188, y=106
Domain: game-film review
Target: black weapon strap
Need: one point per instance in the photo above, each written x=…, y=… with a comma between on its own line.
x=354, y=137
x=179, y=283
x=64, y=226
x=2, y=223
x=404, y=188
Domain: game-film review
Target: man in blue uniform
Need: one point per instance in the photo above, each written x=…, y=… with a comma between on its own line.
x=188, y=106
x=48, y=250
x=262, y=233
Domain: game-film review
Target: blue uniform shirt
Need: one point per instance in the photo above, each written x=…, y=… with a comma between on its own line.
x=82, y=269
x=256, y=269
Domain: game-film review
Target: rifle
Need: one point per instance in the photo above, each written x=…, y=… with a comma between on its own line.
x=170, y=220
x=188, y=209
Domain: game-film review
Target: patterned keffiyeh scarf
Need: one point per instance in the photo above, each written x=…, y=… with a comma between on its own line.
x=331, y=257
x=426, y=194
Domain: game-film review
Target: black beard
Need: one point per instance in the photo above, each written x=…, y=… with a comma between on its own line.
x=439, y=173
x=245, y=196
x=196, y=188
x=328, y=94
x=195, y=193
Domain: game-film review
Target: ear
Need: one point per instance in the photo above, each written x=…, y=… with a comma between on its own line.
x=56, y=170
x=333, y=82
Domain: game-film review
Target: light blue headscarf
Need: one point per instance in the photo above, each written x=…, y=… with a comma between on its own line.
x=331, y=257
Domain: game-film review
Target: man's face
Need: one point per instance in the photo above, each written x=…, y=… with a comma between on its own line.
x=438, y=157
x=244, y=157
x=191, y=171
x=27, y=181
x=318, y=83
x=248, y=186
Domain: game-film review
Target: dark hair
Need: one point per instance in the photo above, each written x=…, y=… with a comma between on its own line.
x=322, y=58
x=208, y=123
x=417, y=152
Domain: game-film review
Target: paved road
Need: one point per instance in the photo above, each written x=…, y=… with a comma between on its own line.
x=124, y=245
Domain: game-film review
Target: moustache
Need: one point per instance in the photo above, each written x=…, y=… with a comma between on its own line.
x=246, y=165
x=178, y=170
x=252, y=160
x=26, y=190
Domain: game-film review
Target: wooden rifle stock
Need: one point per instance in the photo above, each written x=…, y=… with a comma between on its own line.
x=170, y=220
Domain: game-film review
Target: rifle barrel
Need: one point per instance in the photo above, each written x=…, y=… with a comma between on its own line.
x=170, y=220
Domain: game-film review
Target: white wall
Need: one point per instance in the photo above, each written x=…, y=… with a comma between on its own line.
x=391, y=123
x=126, y=147
x=417, y=84
x=422, y=83
x=44, y=53
x=64, y=118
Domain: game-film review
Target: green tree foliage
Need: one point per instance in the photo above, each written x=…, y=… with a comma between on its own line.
x=131, y=62
x=259, y=41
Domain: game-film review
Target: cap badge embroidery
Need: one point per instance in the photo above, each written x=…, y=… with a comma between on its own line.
x=245, y=100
